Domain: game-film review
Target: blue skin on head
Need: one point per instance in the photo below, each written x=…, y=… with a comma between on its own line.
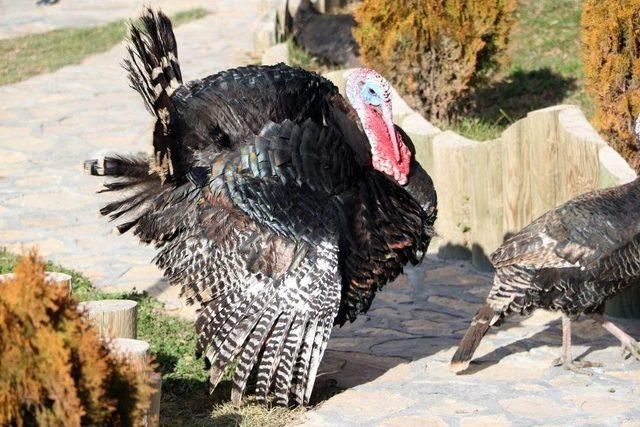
x=372, y=93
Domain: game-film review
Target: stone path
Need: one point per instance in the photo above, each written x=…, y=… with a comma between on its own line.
x=21, y=17
x=50, y=123
x=391, y=362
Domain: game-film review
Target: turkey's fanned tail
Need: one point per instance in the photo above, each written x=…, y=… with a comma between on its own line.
x=154, y=71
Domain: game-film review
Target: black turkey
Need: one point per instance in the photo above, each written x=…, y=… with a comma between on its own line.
x=276, y=206
x=327, y=37
x=571, y=259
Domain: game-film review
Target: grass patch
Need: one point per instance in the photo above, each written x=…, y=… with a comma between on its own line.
x=545, y=70
x=27, y=56
x=185, y=400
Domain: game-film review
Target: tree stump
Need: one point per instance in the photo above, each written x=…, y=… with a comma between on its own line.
x=51, y=277
x=60, y=279
x=113, y=318
x=136, y=352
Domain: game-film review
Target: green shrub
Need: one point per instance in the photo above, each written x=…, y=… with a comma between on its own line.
x=54, y=369
x=434, y=51
x=611, y=57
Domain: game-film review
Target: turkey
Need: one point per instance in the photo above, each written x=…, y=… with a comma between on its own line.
x=571, y=259
x=326, y=37
x=277, y=207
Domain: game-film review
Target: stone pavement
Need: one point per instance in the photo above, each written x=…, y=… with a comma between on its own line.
x=21, y=17
x=393, y=363
x=50, y=123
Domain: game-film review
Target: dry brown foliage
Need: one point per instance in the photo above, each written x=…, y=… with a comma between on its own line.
x=54, y=369
x=611, y=57
x=434, y=51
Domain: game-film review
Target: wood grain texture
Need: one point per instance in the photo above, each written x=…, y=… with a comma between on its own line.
x=516, y=179
x=137, y=353
x=540, y=135
x=113, y=318
x=487, y=213
x=452, y=155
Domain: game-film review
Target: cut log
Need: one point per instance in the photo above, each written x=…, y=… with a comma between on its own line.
x=113, y=318
x=153, y=415
x=60, y=279
x=136, y=352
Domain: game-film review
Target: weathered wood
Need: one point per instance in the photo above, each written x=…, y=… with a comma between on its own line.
x=613, y=169
x=153, y=415
x=539, y=135
x=452, y=155
x=59, y=279
x=421, y=133
x=137, y=353
x=134, y=351
x=578, y=167
x=113, y=318
x=516, y=180
x=486, y=190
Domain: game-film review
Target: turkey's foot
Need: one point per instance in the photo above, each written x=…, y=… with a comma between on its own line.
x=577, y=366
x=630, y=348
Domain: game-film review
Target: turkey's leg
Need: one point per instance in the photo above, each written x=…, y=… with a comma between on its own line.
x=629, y=345
x=566, y=360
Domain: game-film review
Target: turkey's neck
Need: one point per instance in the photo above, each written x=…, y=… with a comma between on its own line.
x=420, y=186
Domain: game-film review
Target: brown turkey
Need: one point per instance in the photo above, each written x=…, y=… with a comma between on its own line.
x=276, y=205
x=572, y=259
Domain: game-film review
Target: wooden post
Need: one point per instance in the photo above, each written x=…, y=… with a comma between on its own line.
x=540, y=137
x=516, y=200
x=60, y=279
x=113, y=318
x=486, y=187
x=136, y=352
x=578, y=167
x=452, y=155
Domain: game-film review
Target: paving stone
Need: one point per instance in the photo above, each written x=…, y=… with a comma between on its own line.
x=485, y=421
x=413, y=421
x=362, y=406
x=531, y=407
x=21, y=17
x=46, y=248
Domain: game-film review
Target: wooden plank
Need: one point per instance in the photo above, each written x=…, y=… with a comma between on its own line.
x=578, y=166
x=540, y=134
x=516, y=182
x=452, y=157
x=486, y=202
x=421, y=133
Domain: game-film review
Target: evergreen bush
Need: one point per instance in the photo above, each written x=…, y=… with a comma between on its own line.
x=434, y=51
x=611, y=58
x=54, y=369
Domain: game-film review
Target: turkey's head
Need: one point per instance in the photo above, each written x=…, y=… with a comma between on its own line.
x=370, y=95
